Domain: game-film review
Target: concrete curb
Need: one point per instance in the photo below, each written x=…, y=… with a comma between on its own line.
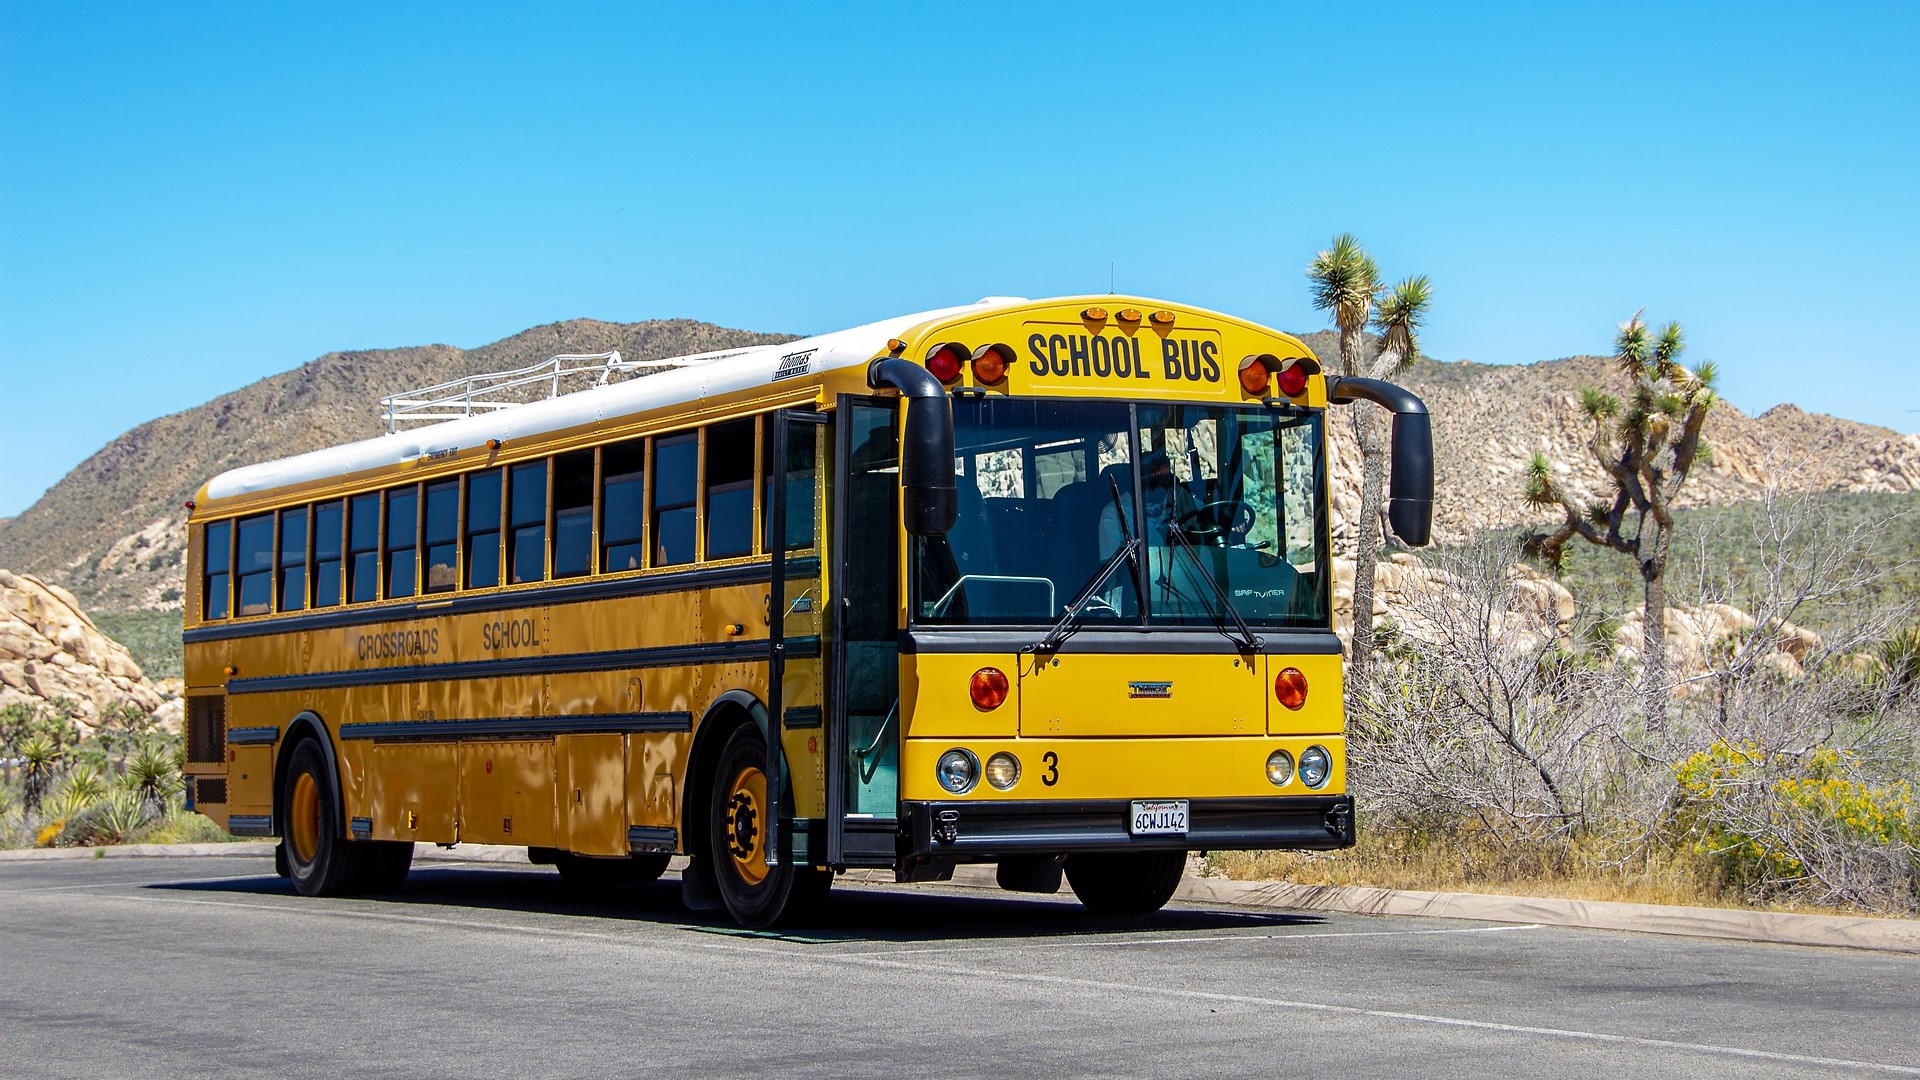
x=1782, y=928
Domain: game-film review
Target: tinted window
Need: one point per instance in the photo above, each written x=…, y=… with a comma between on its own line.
x=573, y=514
x=219, y=561
x=293, y=559
x=730, y=489
x=527, y=521
x=327, y=522
x=253, y=554
x=403, y=526
x=483, y=529
x=440, y=532
x=674, y=490
x=363, y=548
x=797, y=473
x=623, y=505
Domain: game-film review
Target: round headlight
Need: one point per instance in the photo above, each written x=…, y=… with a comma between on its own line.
x=1315, y=767
x=1280, y=768
x=1003, y=770
x=958, y=770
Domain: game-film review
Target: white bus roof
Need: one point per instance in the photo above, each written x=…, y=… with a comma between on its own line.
x=753, y=366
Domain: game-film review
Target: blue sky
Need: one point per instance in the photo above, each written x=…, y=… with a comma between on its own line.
x=194, y=196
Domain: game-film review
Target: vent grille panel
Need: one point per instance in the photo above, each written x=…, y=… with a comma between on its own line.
x=210, y=789
x=207, y=730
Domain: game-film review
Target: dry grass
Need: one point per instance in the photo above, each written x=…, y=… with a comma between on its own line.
x=1396, y=860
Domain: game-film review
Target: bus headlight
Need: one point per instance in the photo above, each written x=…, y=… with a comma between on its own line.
x=1280, y=768
x=1315, y=767
x=1003, y=770
x=958, y=770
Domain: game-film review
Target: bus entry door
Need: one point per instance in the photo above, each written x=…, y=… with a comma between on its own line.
x=796, y=468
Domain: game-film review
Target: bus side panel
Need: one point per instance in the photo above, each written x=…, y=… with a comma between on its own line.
x=506, y=793
x=593, y=793
x=653, y=780
x=411, y=794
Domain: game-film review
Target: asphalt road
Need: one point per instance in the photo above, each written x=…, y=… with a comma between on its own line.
x=212, y=967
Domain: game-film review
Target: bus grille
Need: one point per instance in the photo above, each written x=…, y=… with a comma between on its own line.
x=207, y=729
x=210, y=789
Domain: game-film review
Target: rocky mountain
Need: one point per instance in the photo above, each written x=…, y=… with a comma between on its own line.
x=50, y=651
x=112, y=530
x=1488, y=419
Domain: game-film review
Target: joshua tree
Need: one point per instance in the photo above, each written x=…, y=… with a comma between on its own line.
x=1346, y=284
x=1647, y=448
x=40, y=756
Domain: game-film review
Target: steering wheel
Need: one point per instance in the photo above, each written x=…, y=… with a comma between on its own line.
x=1238, y=519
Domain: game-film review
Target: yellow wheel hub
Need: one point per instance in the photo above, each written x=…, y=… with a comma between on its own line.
x=747, y=825
x=303, y=818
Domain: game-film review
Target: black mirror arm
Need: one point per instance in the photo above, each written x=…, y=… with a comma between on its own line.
x=926, y=445
x=1410, y=488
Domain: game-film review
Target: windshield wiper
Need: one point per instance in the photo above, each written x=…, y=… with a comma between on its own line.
x=1245, y=640
x=1070, y=618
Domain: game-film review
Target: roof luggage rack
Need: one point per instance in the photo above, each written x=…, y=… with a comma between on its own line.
x=492, y=391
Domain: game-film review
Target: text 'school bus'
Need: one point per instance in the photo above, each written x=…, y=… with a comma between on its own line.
x=1045, y=584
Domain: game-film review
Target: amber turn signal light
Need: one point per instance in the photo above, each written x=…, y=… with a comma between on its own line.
x=990, y=363
x=988, y=688
x=1290, y=688
x=1254, y=376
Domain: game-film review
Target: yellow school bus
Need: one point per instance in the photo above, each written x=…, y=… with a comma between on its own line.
x=1044, y=584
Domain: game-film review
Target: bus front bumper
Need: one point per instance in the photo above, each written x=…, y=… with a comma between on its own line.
x=982, y=830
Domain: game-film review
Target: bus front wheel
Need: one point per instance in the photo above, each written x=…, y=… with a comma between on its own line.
x=756, y=895
x=1127, y=882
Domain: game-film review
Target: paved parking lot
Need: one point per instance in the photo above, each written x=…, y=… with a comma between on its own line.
x=212, y=967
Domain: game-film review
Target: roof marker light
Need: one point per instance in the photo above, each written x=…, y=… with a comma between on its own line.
x=1162, y=318
x=1095, y=314
x=1129, y=315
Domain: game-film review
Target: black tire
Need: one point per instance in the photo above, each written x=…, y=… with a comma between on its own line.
x=1126, y=882
x=735, y=825
x=320, y=861
x=588, y=872
x=385, y=868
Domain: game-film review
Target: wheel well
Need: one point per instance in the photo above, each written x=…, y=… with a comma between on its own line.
x=304, y=728
x=735, y=709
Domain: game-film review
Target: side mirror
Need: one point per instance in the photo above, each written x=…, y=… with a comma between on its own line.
x=929, y=501
x=1410, y=484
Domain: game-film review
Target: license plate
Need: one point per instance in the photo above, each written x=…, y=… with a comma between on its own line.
x=1159, y=817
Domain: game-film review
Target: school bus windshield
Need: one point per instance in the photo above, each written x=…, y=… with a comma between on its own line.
x=1048, y=491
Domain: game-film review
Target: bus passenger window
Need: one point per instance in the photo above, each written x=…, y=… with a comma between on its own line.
x=573, y=514
x=403, y=534
x=730, y=489
x=440, y=533
x=674, y=490
x=363, y=548
x=219, y=563
x=326, y=554
x=797, y=472
x=293, y=559
x=527, y=521
x=622, y=505
x=254, y=554
x=483, y=529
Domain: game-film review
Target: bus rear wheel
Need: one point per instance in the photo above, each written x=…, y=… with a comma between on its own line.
x=1125, y=882
x=756, y=895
